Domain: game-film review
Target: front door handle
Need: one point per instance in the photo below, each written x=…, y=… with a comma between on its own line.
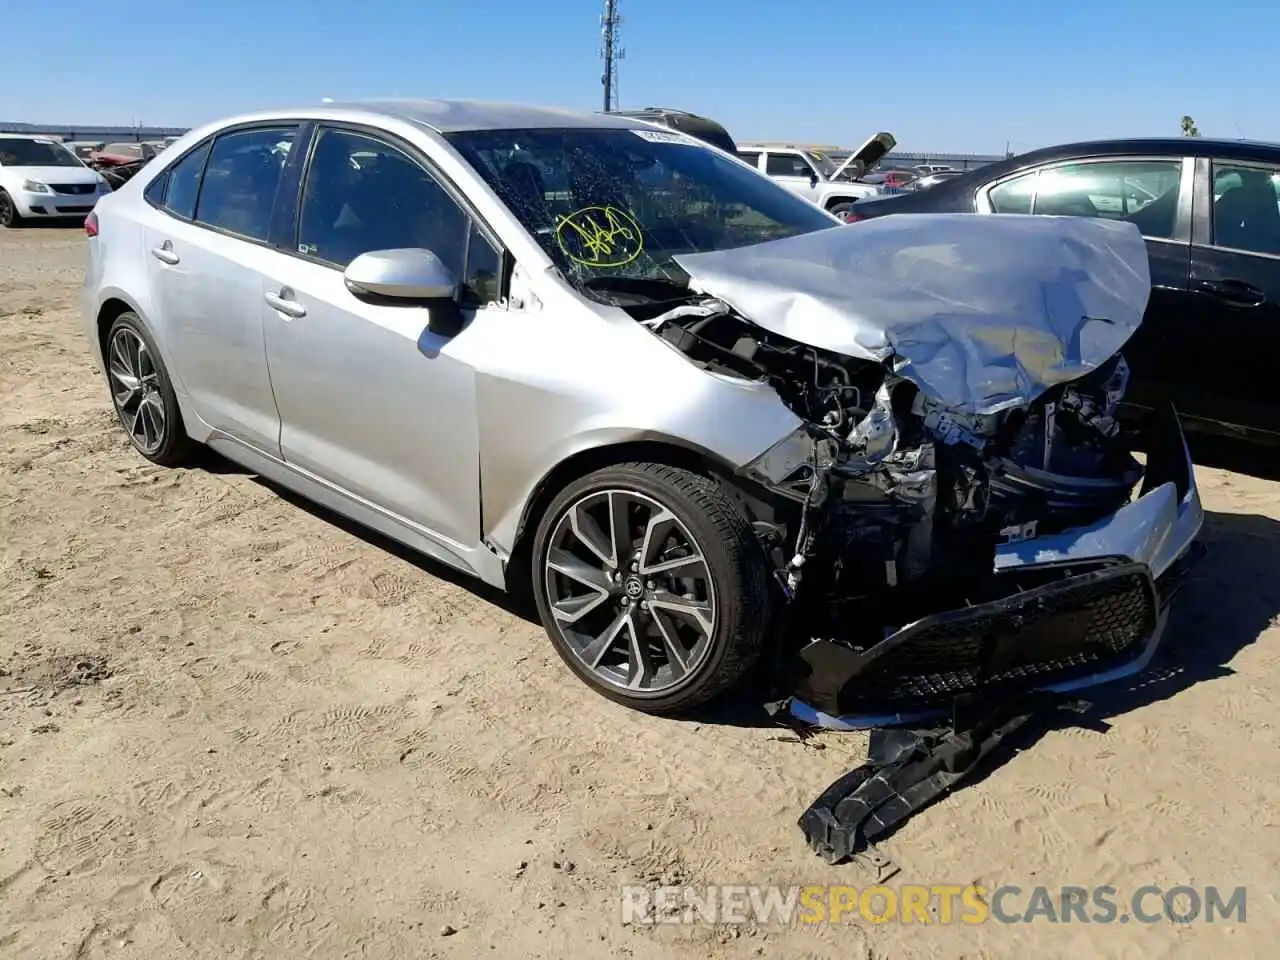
x=284, y=302
x=1235, y=292
x=165, y=253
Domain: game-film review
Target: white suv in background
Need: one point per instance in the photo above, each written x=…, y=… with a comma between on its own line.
x=40, y=178
x=811, y=174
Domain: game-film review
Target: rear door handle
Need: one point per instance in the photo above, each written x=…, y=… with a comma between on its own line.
x=284, y=302
x=165, y=253
x=1235, y=292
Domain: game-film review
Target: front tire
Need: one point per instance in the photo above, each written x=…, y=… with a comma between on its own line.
x=8, y=211
x=143, y=395
x=842, y=209
x=652, y=586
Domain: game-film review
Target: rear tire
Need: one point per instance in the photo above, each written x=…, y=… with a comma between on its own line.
x=652, y=586
x=143, y=394
x=9, y=212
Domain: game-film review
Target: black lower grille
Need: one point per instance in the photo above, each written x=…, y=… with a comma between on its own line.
x=1055, y=501
x=1078, y=625
x=76, y=209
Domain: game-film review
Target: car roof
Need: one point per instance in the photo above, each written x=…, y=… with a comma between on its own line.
x=1173, y=147
x=457, y=116
x=1159, y=146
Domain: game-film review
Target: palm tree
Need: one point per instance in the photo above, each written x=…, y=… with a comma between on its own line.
x=1189, y=128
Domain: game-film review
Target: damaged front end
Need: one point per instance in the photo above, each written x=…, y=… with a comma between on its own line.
x=956, y=513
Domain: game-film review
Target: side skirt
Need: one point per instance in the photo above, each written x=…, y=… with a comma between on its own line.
x=475, y=561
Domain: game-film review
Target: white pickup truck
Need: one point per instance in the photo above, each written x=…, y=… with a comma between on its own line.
x=815, y=176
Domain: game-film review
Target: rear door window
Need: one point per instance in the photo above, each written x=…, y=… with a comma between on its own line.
x=238, y=191
x=1143, y=192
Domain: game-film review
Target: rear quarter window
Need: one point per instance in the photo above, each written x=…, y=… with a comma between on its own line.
x=1013, y=196
x=180, y=185
x=154, y=194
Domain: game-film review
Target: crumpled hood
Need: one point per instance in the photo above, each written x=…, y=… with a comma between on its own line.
x=981, y=312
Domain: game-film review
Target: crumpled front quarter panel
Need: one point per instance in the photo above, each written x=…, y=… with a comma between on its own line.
x=569, y=377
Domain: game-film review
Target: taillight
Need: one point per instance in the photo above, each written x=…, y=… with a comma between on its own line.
x=852, y=218
x=91, y=225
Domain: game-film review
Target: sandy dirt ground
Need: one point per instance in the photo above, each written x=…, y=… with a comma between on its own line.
x=231, y=726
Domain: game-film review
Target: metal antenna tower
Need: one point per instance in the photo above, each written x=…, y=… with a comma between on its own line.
x=610, y=52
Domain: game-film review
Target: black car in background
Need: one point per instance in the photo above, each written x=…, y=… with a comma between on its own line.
x=1210, y=212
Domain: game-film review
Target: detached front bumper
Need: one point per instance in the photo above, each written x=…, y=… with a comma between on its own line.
x=1084, y=607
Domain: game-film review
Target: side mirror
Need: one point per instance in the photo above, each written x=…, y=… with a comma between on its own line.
x=404, y=274
x=813, y=179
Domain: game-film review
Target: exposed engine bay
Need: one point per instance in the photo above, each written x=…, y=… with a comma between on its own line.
x=892, y=491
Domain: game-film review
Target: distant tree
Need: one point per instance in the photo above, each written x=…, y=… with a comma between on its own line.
x=1189, y=128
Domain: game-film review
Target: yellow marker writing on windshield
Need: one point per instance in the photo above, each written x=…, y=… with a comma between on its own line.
x=600, y=237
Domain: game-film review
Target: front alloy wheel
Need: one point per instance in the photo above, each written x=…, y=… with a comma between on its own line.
x=8, y=212
x=651, y=585
x=630, y=591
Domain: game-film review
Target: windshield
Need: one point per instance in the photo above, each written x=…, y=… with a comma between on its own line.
x=619, y=204
x=36, y=153
x=824, y=164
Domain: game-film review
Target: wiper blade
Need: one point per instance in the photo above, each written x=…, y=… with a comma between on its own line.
x=653, y=289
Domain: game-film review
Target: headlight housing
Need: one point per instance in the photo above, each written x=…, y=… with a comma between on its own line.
x=35, y=186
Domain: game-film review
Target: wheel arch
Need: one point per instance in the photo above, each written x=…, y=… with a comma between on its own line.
x=112, y=305
x=672, y=452
x=108, y=312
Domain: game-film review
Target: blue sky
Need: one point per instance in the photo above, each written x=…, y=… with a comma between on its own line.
x=955, y=76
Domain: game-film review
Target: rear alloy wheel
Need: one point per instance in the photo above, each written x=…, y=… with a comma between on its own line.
x=652, y=585
x=8, y=212
x=142, y=394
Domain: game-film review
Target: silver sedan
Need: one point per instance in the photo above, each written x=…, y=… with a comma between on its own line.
x=501, y=335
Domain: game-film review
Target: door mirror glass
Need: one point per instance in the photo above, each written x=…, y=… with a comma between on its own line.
x=405, y=274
